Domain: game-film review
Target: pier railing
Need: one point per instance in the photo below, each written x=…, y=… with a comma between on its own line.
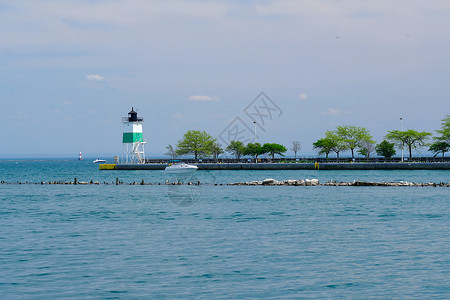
x=305, y=160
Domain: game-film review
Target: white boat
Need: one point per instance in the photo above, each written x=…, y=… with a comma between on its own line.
x=99, y=161
x=180, y=167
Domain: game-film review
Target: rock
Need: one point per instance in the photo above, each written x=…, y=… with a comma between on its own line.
x=269, y=181
x=315, y=182
x=311, y=182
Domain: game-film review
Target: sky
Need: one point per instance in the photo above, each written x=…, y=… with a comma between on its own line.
x=71, y=69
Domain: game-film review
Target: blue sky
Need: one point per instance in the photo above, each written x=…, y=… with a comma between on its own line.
x=69, y=70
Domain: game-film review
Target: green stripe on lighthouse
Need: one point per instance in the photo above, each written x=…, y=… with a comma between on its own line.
x=132, y=137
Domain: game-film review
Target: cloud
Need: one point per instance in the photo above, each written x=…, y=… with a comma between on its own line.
x=295, y=7
x=95, y=77
x=20, y=115
x=332, y=112
x=121, y=12
x=179, y=116
x=342, y=9
x=55, y=111
x=303, y=96
x=203, y=98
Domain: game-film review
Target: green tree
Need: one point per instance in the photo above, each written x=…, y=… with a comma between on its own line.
x=295, y=148
x=338, y=142
x=442, y=141
x=385, y=149
x=272, y=149
x=439, y=147
x=172, y=152
x=254, y=150
x=323, y=146
x=236, y=148
x=216, y=150
x=444, y=132
x=354, y=137
x=411, y=138
x=195, y=142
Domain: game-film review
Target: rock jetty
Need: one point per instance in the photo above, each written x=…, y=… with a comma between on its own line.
x=270, y=181
x=315, y=182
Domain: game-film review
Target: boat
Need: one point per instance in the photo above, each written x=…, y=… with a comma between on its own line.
x=180, y=167
x=99, y=161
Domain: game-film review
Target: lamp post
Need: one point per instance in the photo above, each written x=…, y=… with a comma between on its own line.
x=254, y=122
x=401, y=119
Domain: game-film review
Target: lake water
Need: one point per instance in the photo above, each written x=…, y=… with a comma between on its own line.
x=214, y=241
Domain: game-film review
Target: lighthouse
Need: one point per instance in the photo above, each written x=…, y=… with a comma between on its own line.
x=132, y=139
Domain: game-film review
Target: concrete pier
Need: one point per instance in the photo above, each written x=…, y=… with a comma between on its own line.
x=290, y=166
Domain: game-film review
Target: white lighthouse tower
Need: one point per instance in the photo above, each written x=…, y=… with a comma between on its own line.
x=133, y=140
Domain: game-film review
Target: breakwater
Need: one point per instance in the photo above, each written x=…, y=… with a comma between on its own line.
x=265, y=182
x=97, y=182
x=315, y=182
x=290, y=166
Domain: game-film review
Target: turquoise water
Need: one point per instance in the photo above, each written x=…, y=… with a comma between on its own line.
x=220, y=242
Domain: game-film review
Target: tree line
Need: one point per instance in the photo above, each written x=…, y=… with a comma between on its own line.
x=355, y=138
x=344, y=138
x=201, y=144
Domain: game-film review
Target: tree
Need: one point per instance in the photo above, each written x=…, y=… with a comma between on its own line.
x=195, y=142
x=366, y=148
x=171, y=152
x=324, y=146
x=442, y=141
x=411, y=138
x=295, y=147
x=444, y=131
x=216, y=150
x=254, y=150
x=338, y=143
x=439, y=147
x=353, y=137
x=385, y=149
x=272, y=149
x=236, y=148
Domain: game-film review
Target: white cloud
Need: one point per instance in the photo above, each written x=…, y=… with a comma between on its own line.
x=303, y=96
x=295, y=7
x=21, y=115
x=95, y=77
x=382, y=21
x=332, y=112
x=203, y=98
x=55, y=111
x=348, y=8
x=178, y=116
x=122, y=12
